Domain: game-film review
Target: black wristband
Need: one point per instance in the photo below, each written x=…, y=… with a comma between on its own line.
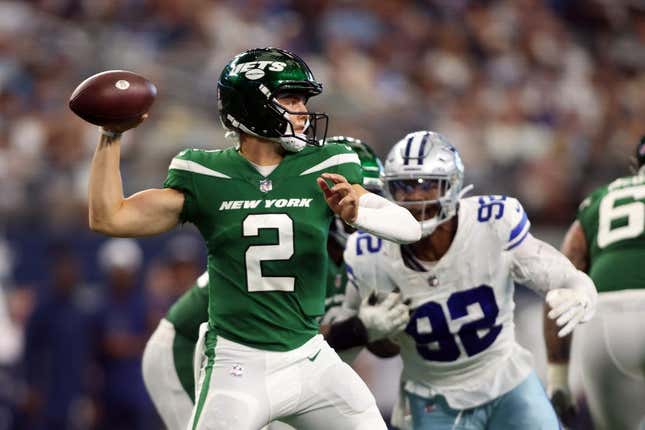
x=347, y=334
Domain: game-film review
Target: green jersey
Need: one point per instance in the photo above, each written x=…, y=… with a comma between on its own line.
x=613, y=219
x=266, y=239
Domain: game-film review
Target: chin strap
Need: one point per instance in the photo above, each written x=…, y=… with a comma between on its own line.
x=465, y=190
x=429, y=226
x=293, y=143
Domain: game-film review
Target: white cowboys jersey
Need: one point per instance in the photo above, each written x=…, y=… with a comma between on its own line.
x=460, y=341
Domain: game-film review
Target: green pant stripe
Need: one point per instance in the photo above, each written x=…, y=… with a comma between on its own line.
x=211, y=340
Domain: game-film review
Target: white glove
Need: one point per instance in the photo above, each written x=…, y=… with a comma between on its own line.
x=383, y=319
x=570, y=306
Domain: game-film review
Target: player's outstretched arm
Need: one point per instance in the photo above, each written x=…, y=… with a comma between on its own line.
x=368, y=211
x=145, y=213
x=569, y=292
x=558, y=349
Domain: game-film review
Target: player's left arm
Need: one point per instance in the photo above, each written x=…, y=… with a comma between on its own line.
x=558, y=349
x=570, y=293
x=367, y=211
x=536, y=264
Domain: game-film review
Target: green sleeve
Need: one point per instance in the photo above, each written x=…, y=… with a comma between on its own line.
x=180, y=177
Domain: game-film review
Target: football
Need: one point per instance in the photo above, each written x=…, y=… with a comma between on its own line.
x=112, y=97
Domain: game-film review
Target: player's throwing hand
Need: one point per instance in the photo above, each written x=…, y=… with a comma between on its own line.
x=342, y=198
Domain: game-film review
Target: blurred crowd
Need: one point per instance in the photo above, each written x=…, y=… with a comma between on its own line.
x=545, y=99
x=70, y=349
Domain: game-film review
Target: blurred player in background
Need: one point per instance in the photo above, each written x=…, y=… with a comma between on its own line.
x=58, y=346
x=607, y=240
x=462, y=368
x=168, y=367
x=121, y=330
x=168, y=370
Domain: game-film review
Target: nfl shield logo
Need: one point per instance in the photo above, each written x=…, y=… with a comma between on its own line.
x=433, y=281
x=265, y=185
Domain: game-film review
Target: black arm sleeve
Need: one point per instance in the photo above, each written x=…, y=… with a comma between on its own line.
x=383, y=348
x=347, y=334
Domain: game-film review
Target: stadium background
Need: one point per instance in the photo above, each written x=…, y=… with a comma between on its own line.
x=544, y=99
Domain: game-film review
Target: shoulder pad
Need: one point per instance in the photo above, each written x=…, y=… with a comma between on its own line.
x=362, y=244
x=505, y=216
x=594, y=196
x=197, y=161
x=360, y=253
x=337, y=148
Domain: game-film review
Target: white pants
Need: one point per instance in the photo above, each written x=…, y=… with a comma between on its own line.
x=609, y=351
x=309, y=387
x=160, y=377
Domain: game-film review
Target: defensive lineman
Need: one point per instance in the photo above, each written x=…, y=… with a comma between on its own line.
x=607, y=240
x=265, y=222
x=462, y=366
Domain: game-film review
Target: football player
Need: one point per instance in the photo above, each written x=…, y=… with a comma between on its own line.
x=168, y=369
x=260, y=209
x=462, y=368
x=607, y=240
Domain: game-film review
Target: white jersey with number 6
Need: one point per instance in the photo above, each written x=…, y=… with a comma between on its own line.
x=460, y=342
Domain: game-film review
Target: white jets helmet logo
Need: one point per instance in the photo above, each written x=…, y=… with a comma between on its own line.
x=256, y=69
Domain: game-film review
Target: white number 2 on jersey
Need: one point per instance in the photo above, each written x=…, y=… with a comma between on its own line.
x=634, y=212
x=256, y=254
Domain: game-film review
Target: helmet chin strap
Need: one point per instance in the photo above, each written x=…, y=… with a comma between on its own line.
x=465, y=190
x=289, y=143
x=430, y=225
x=297, y=141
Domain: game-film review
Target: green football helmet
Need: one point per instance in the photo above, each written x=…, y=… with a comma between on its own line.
x=371, y=165
x=372, y=168
x=248, y=89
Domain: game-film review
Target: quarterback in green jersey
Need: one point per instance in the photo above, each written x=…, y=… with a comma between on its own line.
x=168, y=369
x=264, y=208
x=607, y=240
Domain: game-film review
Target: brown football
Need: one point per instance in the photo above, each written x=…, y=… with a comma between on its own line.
x=112, y=97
